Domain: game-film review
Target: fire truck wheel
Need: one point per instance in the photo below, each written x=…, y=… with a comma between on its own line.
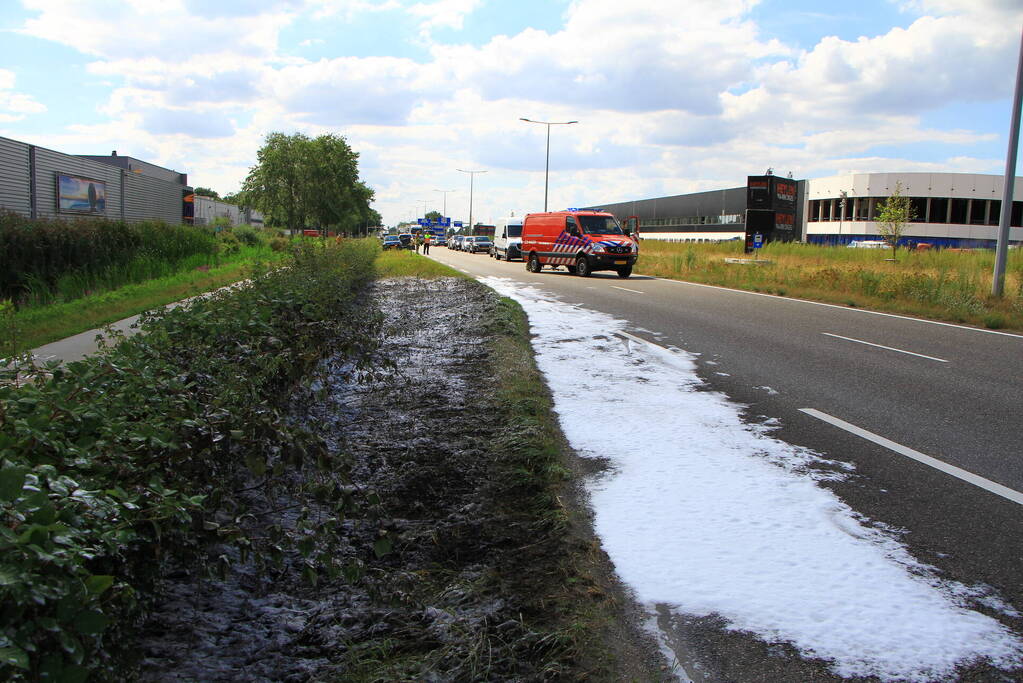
x=582, y=267
x=533, y=264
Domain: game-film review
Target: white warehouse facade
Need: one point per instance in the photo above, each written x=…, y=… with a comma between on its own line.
x=950, y=209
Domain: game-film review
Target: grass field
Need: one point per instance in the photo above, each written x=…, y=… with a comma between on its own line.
x=939, y=284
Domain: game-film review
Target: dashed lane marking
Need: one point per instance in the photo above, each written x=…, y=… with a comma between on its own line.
x=626, y=289
x=959, y=473
x=882, y=346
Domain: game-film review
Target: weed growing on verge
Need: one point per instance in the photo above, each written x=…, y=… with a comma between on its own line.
x=938, y=284
x=114, y=464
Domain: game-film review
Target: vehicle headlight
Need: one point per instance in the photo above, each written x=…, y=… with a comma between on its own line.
x=597, y=248
x=635, y=248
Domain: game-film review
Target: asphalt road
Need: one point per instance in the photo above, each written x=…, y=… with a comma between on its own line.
x=915, y=389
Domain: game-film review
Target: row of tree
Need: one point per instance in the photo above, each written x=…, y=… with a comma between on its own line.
x=300, y=182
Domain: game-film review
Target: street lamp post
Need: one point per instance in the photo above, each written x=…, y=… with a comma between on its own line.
x=472, y=176
x=547, y=163
x=444, y=193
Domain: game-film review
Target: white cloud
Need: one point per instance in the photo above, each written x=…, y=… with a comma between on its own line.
x=671, y=97
x=162, y=29
x=443, y=13
x=15, y=106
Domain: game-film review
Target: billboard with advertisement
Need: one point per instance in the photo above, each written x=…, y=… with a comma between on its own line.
x=770, y=192
x=770, y=209
x=76, y=194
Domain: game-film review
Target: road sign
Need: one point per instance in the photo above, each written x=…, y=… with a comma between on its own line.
x=758, y=241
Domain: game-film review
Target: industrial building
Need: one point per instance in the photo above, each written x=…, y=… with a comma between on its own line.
x=950, y=210
x=43, y=183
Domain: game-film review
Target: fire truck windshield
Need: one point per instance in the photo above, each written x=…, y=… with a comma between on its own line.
x=599, y=225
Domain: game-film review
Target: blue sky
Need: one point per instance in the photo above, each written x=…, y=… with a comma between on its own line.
x=670, y=96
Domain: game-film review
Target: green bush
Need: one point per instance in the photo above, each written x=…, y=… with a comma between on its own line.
x=113, y=464
x=228, y=243
x=247, y=235
x=278, y=243
x=36, y=254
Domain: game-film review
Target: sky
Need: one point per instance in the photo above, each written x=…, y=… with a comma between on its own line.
x=705, y=514
x=670, y=96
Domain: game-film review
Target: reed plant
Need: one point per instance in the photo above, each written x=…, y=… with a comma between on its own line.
x=50, y=261
x=952, y=285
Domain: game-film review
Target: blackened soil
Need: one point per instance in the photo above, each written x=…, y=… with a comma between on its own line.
x=474, y=585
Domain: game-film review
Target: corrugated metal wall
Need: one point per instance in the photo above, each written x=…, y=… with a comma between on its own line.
x=129, y=196
x=148, y=198
x=50, y=163
x=206, y=209
x=15, y=192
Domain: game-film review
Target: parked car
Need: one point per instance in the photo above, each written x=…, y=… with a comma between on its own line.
x=479, y=243
x=391, y=242
x=407, y=240
x=456, y=242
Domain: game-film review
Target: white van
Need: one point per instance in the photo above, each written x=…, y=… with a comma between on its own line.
x=507, y=238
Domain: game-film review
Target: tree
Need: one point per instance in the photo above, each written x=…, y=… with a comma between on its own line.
x=433, y=215
x=893, y=216
x=301, y=181
x=206, y=192
x=275, y=183
x=238, y=198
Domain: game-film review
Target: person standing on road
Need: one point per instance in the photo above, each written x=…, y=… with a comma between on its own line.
x=419, y=241
x=426, y=244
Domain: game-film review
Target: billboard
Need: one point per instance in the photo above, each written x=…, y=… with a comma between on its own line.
x=76, y=194
x=771, y=192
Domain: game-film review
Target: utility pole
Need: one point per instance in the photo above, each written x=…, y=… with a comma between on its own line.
x=444, y=193
x=472, y=176
x=1001, y=248
x=547, y=163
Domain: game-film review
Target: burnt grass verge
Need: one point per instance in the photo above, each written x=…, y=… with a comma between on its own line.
x=466, y=554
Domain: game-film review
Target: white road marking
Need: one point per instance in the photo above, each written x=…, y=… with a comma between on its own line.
x=843, y=308
x=626, y=289
x=882, y=346
x=969, y=477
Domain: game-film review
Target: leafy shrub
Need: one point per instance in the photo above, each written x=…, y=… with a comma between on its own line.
x=247, y=235
x=278, y=243
x=228, y=243
x=113, y=464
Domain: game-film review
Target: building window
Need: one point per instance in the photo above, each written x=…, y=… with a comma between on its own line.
x=977, y=209
x=1017, y=215
x=996, y=212
x=939, y=210
x=918, y=206
x=862, y=208
x=959, y=211
x=826, y=214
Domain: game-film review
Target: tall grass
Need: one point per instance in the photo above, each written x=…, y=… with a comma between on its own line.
x=52, y=261
x=941, y=284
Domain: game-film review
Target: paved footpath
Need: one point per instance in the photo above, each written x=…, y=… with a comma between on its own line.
x=80, y=345
x=83, y=344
